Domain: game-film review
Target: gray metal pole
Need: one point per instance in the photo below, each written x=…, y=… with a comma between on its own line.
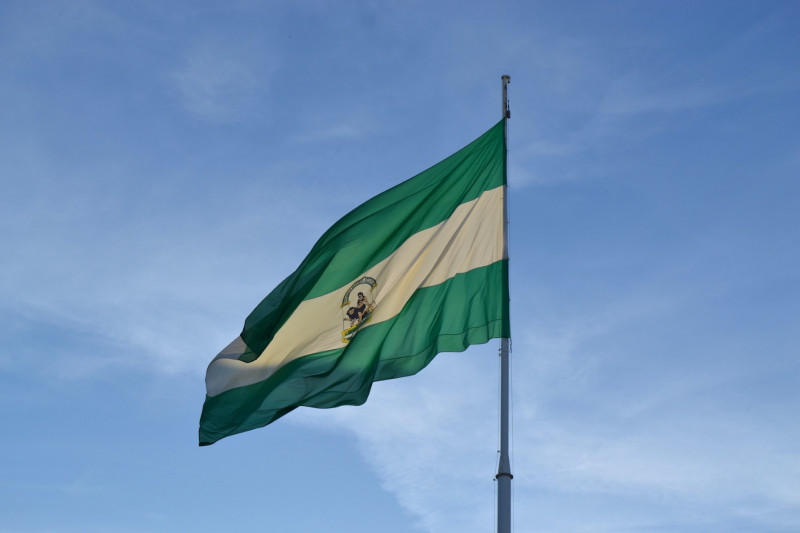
x=504, y=476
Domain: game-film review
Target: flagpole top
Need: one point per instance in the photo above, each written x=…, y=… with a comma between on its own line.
x=506, y=80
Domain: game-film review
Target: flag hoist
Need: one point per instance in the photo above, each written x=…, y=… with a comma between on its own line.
x=420, y=269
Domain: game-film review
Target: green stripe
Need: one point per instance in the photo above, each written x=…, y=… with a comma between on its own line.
x=373, y=230
x=467, y=309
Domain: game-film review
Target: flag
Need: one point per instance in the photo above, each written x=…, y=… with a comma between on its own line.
x=420, y=269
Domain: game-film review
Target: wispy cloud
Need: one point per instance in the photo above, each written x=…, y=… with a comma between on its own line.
x=331, y=131
x=581, y=434
x=603, y=105
x=429, y=439
x=223, y=83
x=82, y=485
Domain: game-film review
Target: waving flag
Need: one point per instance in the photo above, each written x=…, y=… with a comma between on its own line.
x=417, y=270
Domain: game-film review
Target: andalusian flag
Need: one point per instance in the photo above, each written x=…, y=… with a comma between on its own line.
x=417, y=270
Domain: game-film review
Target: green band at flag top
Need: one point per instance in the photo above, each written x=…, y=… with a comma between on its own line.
x=417, y=270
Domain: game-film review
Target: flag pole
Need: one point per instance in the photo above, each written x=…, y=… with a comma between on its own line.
x=504, y=476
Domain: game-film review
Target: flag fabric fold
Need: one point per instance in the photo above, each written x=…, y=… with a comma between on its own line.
x=417, y=270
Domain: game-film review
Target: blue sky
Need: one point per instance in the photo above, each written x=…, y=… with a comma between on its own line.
x=165, y=165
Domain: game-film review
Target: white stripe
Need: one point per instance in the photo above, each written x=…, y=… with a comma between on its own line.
x=471, y=238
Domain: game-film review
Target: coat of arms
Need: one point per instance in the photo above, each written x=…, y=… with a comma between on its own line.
x=355, y=314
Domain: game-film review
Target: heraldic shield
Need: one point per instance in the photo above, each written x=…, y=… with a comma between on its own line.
x=355, y=314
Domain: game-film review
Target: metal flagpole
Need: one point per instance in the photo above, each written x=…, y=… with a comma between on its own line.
x=504, y=468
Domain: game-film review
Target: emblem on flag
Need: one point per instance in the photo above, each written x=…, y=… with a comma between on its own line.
x=359, y=312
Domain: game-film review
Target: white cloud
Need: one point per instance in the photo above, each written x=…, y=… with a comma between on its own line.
x=581, y=435
x=343, y=130
x=223, y=83
x=430, y=438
